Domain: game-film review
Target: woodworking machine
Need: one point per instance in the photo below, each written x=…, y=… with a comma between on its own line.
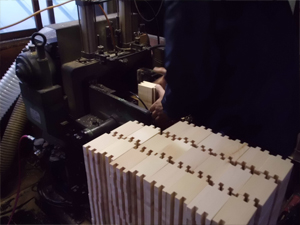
x=77, y=79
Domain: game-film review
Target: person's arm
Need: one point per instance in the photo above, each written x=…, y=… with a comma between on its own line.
x=161, y=81
x=157, y=108
x=159, y=116
x=187, y=55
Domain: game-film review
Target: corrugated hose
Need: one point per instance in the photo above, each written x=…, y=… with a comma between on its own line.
x=11, y=136
x=9, y=92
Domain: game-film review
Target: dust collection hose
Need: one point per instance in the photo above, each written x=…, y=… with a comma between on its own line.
x=9, y=92
x=9, y=89
x=11, y=136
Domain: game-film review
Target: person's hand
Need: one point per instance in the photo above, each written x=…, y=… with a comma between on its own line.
x=157, y=108
x=160, y=118
x=161, y=81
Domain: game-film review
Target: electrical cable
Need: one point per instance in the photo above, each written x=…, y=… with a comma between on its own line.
x=56, y=203
x=139, y=99
x=34, y=14
x=158, y=40
x=42, y=189
x=148, y=20
x=19, y=175
x=110, y=27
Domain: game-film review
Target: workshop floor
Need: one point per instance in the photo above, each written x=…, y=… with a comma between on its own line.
x=29, y=206
x=27, y=212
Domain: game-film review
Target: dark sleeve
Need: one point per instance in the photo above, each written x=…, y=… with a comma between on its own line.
x=189, y=47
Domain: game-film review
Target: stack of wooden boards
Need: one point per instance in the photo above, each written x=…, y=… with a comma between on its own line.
x=147, y=93
x=184, y=175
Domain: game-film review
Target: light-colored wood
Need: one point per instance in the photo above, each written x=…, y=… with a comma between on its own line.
x=176, y=149
x=89, y=180
x=253, y=159
x=129, y=186
x=165, y=178
x=157, y=211
x=114, y=151
x=147, y=167
x=99, y=189
x=282, y=175
x=185, y=189
x=148, y=193
x=195, y=134
x=119, y=212
x=121, y=193
x=127, y=161
x=192, y=158
x=235, y=155
x=178, y=129
x=105, y=189
x=276, y=167
x=233, y=179
x=94, y=191
x=110, y=153
x=212, y=167
x=102, y=145
x=205, y=205
x=127, y=128
x=261, y=192
x=147, y=93
x=142, y=177
x=144, y=133
x=118, y=148
x=155, y=144
x=130, y=159
x=222, y=145
x=235, y=211
x=101, y=142
x=153, y=197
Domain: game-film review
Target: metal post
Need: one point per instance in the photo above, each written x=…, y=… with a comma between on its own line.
x=110, y=7
x=37, y=18
x=125, y=20
x=50, y=12
x=87, y=25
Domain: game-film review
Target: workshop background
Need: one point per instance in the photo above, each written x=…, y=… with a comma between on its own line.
x=36, y=161
x=30, y=208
